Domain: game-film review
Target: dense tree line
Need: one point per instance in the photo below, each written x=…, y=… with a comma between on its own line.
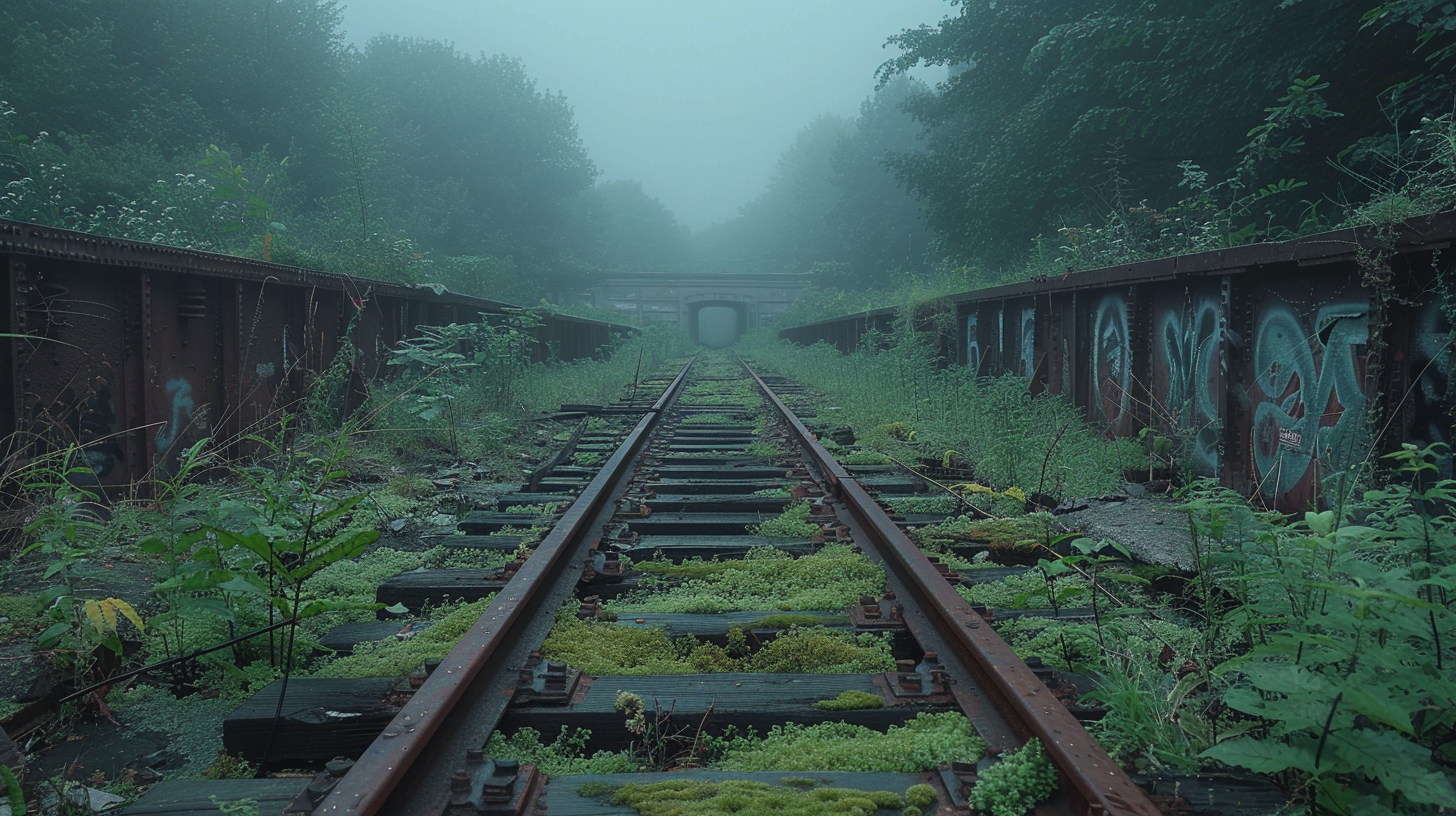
x=1167, y=126
x=1069, y=134
x=250, y=126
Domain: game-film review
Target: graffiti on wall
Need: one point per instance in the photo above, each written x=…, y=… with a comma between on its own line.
x=973, y=342
x=1028, y=341
x=1309, y=419
x=1431, y=368
x=1111, y=357
x=180, y=392
x=1189, y=345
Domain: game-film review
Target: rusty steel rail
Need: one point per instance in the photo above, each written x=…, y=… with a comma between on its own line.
x=406, y=770
x=1091, y=781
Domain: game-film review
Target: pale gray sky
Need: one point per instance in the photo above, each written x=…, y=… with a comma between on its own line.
x=694, y=99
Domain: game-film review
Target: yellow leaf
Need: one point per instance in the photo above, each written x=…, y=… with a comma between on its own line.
x=108, y=610
x=130, y=612
x=93, y=614
x=1015, y=493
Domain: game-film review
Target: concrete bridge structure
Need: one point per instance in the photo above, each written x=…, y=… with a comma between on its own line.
x=714, y=309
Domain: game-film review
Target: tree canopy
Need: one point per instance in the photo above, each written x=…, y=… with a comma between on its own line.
x=1057, y=111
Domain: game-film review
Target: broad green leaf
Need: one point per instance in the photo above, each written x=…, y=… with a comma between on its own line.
x=1261, y=756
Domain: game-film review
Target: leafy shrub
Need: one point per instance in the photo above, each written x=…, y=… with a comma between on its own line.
x=1350, y=627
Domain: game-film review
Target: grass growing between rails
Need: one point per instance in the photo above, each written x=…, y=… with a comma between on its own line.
x=746, y=798
x=602, y=648
x=831, y=579
x=899, y=401
x=917, y=746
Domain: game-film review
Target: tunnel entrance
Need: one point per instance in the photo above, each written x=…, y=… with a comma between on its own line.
x=717, y=324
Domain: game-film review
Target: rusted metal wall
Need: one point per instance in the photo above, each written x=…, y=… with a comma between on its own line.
x=1276, y=368
x=135, y=351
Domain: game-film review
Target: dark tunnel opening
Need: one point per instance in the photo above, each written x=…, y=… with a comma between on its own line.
x=717, y=324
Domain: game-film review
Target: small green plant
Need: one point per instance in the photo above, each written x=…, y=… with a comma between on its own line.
x=229, y=766
x=793, y=522
x=587, y=459
x=13, y=794
x=1017, y=783
x=564, y=755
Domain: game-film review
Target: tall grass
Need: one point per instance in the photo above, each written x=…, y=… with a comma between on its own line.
x=899, y=400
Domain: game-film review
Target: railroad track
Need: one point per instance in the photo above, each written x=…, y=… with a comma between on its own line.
x=709, y=458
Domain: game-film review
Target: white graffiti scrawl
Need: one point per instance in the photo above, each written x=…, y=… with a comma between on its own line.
x=1312, y=410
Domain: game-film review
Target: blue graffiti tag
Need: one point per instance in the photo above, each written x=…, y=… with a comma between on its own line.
x=973, y=343
x=1111, y=357
x=1028, y=341
x=182, y=406
x=1190, y=347
x=1311, y=411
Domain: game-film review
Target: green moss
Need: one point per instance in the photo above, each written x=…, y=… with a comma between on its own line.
x=921, y=796
x=691, y=568
x=1029, y=590
x=793, y=522
x=396, y=658
x=1018, y=532
x=193, y=724
x=786, y=621
x=918, y=746
x=745, y=798
x=850, y=700
x=816, y=650
x=831, y=579
x=601, y=648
